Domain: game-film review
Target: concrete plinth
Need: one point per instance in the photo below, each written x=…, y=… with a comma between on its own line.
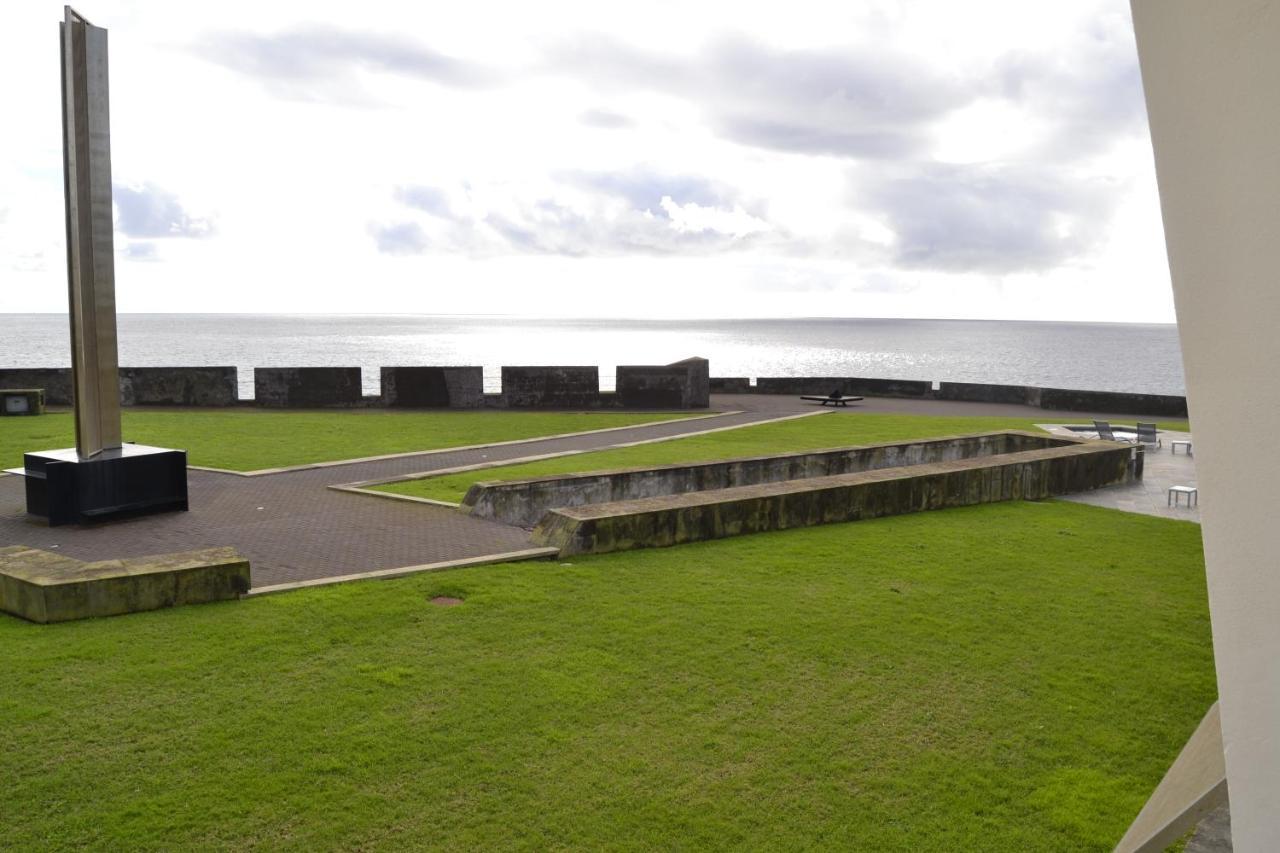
x=42, y=586
x=129, y=480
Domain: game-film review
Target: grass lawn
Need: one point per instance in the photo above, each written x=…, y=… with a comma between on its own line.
x=252, y=439
x=814, y=433
x=1008, y=677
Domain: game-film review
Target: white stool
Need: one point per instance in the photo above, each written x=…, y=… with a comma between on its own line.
x=1176, y=493
x=1173, y=447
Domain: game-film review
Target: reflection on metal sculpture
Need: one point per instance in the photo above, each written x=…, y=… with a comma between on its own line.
x=86, y=157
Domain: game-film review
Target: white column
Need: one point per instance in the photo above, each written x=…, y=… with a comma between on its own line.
x=1211, y=71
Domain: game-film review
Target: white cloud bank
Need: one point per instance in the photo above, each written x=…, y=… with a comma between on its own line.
x=850, y=159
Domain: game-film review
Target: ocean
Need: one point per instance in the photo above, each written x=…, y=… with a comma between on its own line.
x=1093, y=356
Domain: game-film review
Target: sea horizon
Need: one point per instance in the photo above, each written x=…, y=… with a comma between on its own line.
x=1086, y=355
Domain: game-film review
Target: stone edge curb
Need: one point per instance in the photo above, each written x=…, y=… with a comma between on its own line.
x=405, y=571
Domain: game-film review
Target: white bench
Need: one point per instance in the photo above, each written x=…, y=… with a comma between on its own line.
x=1176, y=493
x=1174, y=445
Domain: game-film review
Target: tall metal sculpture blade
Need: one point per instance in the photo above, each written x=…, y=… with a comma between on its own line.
x=101, y=478
x=86, y=133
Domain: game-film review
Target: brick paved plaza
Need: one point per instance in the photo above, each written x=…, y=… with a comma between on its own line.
x=293, y=528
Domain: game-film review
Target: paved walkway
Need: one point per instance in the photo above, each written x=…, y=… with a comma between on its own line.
x=292, y=528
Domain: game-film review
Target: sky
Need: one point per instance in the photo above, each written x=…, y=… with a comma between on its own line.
x=847, y=159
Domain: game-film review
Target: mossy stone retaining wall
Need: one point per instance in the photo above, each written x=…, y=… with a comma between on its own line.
x=523, y=502
x=698, y=516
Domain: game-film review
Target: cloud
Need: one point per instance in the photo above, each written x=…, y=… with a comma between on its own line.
x=547, y=226
x=149, y=211
x=1090, y=96
x=866, y=103
x=402, y=238
x=584, y=214
x=643, y=188
x=994, y=219
x=320, y=63
x=871, y=102
x=427, y=199
x=605, y=119
x=140, y=251
x=810, y=139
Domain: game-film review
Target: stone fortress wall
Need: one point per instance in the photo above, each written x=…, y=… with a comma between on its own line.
x=683, y=385
x=1059, y=399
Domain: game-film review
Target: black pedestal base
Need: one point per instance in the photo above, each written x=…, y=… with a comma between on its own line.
x=130, y=480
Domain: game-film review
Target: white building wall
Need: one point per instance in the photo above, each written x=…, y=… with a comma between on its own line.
x=1211, y=70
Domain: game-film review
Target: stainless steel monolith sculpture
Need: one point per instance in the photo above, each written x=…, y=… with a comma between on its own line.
x=86, y=164
x=101, y=477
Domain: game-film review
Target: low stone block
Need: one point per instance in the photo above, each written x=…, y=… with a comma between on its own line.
x=698, y=393
x=433, y=387
x=307, y=387
x=178, y=386
x=644, y=387
x=42, y=586
x=551, y=387
x=16, y=402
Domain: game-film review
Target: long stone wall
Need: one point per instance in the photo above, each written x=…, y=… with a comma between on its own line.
x=139, y=386
x=697, y=516
x=1111, y=401
x=1058, y=399
x=426, y=387
x=849, y=386
x=523, y=502
x=683, y=385
x=730, y=385
x=56, y=382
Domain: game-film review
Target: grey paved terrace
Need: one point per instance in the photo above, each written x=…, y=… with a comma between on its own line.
x=1150, y=496
x=292, y=528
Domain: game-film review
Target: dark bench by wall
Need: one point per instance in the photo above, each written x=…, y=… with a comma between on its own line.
x=307, y=387
x=431, y=387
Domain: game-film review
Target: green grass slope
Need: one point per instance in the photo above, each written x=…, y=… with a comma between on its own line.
x=1011, y=677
